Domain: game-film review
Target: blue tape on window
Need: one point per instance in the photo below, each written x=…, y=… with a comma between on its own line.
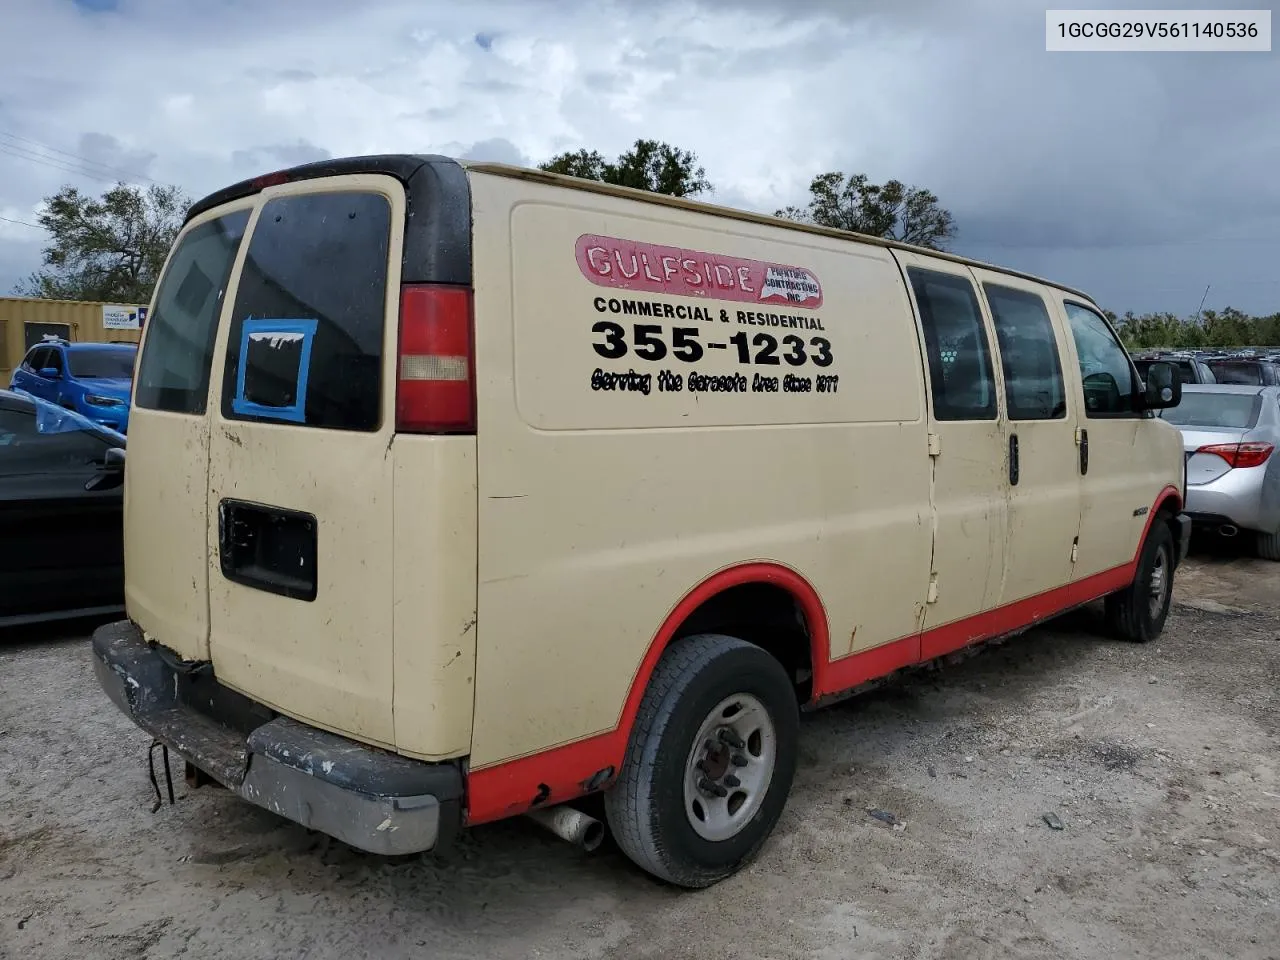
x=258, y=334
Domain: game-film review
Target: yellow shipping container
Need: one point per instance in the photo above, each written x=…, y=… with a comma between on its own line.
x=25, y=322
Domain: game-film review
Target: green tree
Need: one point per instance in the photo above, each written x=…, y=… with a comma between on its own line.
x=892, y=210
x=1212, y=329
x=649, y=165
x=108, y=248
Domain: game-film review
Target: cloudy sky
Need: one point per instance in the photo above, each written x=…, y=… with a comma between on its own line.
x=1139, y=177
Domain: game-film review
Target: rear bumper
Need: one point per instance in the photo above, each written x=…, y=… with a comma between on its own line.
x=369, y=798
x=1240, y=496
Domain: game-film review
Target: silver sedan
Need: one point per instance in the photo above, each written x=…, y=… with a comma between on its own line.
x=1230, y=433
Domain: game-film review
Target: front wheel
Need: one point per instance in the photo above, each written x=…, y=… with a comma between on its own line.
x=1138, y=612
x=709, y=762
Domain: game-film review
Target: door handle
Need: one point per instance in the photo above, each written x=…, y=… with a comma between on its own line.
x=1013, y=459
x=1084, y=451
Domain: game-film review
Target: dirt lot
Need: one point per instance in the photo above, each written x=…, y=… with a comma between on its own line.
x=1162, y=764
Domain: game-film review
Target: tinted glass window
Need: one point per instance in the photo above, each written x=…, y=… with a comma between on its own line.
x=25, y=449
x=1108, y=379
x=38, y=357
x=1237, y=372
x=53, y=358
x=1230, y=410
x=960, y=369
x=104, y=364
x=173, y=373
x=305, y=344
x=1028, y=353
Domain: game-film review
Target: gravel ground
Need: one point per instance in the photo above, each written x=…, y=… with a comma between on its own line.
x=1161, y=763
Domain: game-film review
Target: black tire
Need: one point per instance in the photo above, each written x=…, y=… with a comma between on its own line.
x=645, y=808
x=1131, y=614
x=1269, y=545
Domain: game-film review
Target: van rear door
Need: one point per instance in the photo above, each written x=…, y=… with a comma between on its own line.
x=300, y=465
x=165, y=523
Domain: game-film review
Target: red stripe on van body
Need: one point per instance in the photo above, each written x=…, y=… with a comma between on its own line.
x=563, y=773
x=511, y=787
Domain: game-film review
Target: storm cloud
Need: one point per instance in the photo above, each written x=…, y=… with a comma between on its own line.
x=1141, y=178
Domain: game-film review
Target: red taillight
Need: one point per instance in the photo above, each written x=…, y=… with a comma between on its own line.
x=1240, y=454
x=434, y=368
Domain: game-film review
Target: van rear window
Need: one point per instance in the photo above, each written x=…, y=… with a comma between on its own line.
x=305, y=344
x=173, y=373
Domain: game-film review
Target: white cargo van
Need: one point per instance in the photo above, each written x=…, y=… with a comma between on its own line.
x=457, y=492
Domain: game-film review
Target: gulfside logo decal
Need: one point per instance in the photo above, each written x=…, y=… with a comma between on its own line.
x=648, y=267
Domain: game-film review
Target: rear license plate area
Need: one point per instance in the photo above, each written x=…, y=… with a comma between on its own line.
x=268, y=548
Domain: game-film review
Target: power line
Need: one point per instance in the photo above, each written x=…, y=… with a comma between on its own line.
x=26, y=153
x=20, y=153
x=53, y=163
x=81, y=161
x=34, y=226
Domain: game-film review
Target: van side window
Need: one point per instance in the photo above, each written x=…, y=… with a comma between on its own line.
x=1029, y=354
x=959, y=355
x=1107, y=375
x=173, y=372
x=305, y=344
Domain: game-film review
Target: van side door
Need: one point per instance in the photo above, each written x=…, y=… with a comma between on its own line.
x=967, y=448
x=1040, y=455
x=1120, y=469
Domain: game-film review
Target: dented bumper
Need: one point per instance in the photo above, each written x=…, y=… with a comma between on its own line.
x=372, y=799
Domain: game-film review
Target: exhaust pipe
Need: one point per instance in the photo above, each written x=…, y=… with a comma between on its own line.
x=1228, y=530
x=571, y=825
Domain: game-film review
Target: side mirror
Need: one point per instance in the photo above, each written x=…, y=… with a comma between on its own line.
x=110, y=473
x=50, y=373
x=1163, y=388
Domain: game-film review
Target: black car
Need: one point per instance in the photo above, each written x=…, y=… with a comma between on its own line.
x=61, y=503
x=1191, y=369
x=1259, y=373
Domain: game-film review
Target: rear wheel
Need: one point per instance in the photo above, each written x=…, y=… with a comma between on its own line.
x=709, y=764
x=1138, y=612
x=1269, y=545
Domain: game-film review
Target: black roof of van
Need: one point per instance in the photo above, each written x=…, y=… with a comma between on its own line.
x=437, y=248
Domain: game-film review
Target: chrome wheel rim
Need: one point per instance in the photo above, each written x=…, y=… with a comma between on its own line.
x=730, y=767
x=1158, y=584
